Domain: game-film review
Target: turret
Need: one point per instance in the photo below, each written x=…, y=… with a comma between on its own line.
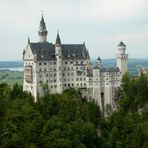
x=98, y=62
x=121, y=48
x=58, y=54
x=96, y=83
x=42, y=30
x=58, y=47
x=122, y=58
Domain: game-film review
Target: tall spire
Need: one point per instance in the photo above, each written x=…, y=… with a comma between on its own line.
x=58, y=40
x=42, y=30
x=42, y=22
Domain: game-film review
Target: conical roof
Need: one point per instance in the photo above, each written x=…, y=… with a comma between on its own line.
x=42, y=23
x=122, y=44
x=58, y=40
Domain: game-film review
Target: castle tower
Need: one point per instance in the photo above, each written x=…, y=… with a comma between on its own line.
x=42, y=30
x=58, y=54
x=96, y=83
x=98, y=62
x=122, y=58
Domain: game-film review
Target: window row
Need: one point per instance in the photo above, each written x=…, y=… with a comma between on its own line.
x=64, y=62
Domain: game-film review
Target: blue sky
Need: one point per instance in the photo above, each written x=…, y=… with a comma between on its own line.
x=101, y=24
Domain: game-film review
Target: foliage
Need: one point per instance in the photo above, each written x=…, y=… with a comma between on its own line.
x=59, y=120
x=128, y=127
x=66, y=121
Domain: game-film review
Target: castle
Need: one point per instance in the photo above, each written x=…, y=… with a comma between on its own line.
x=63, y=66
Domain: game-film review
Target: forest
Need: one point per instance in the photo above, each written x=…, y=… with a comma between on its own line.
x=68, y=121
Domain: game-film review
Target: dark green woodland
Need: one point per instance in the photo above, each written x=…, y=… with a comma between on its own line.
x=68, y=121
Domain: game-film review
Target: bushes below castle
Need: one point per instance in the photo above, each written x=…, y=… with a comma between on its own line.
x=64, y=120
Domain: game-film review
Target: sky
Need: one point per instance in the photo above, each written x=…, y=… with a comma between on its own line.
x=101, y=24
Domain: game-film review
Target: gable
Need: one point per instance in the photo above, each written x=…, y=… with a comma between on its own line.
x=28, y=54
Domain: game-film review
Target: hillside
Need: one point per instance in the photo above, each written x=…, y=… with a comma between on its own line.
x=11, y=64
x=67, y=121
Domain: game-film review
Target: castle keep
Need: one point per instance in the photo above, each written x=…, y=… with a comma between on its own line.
x=63, y=66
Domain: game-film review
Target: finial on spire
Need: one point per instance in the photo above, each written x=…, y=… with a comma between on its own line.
x=42, y=12
x=28, y=40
